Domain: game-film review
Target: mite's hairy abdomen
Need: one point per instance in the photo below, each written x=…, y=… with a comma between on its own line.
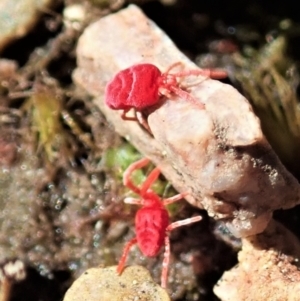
x=134, y=87
x=151, y=224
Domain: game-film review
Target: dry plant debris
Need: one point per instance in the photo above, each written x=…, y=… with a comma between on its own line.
x=218, y=154
x=105, y=284
x=269, y=78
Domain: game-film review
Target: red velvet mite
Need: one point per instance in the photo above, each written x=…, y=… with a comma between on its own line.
x=152, y=222
x=143, y=85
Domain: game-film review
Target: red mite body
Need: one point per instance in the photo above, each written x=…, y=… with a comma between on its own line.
x=135, y=87
x=152, y=220
x=143, y=85
x=151, y=223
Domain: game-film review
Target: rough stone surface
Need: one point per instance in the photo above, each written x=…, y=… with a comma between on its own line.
x=18, y=17
x=268, y=269
x=218, y=154
x=104, y=284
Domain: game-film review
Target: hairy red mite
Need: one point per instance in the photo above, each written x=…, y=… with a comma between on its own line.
x=143, y=85
x=152, y=220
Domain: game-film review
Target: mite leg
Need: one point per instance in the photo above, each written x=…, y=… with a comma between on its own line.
x=151, y=178
x=182, y=94
x=174, y=198
x=184, y=222
x=143, y=121
x=138, y=117
x=187, y=96
x=148, y=181
x=175, y=65
x=133, y=201
x=125, y=117
x=165, y=92
x=124, y=255
x=211, y=73
x=130, y=169
x=166, y=262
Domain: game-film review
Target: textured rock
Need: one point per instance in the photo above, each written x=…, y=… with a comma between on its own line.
x=104, y=284
x=18, y=17
x=218, y=154
x=268, y=269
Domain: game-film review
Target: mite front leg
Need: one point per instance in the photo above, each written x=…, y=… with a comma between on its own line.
x=209, y=73
x=124, y=255
x=133, y=201
x=184, y=222
x=174, y=198
x=127, y=174
x=166, y=262
x=125, y=117
x=143, y=121
x=151, y=178
x=188, y=97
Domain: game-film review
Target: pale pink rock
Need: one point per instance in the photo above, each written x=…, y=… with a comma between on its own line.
x=104, y=284
x=268, y=269
x=18, y=17
x=218, y=154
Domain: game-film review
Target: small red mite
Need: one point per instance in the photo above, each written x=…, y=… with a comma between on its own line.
x=143, y=85
x=152, y=223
